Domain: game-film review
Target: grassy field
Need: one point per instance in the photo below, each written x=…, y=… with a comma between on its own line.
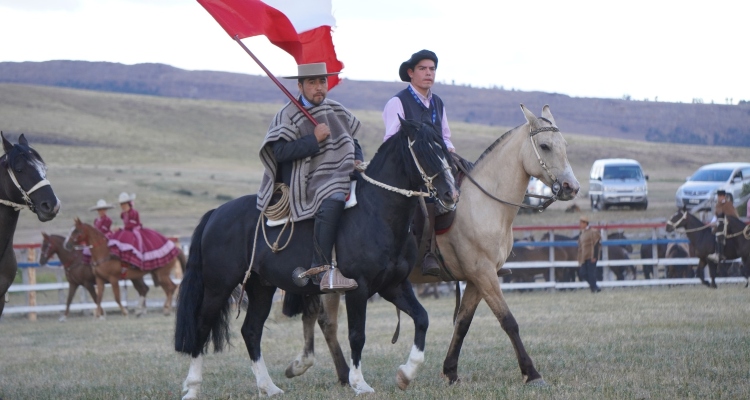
x=645, y=343
x=183, y=157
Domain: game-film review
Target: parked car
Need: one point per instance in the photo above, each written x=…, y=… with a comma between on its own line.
x=539, y=188
x=617, y=182
x=703, y=184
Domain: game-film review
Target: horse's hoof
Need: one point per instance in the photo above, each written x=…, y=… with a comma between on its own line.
x=401, y=380
x=451, y=378
x=299, y=367
x=537, y=383
x=62, y=319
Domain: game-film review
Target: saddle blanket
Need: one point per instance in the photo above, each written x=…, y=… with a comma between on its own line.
x=351, y=201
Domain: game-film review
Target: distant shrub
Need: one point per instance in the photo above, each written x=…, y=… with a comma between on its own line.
x=224, y=197
x=184, y=192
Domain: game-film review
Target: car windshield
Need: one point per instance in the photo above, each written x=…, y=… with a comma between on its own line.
x=622, y=172
x=712, y=175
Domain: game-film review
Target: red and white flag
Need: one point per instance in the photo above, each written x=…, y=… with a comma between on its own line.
x=302, y=28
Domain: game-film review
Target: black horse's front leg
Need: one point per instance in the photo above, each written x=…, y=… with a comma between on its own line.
x=260, y=300
x=404, y=299
x=356, y=310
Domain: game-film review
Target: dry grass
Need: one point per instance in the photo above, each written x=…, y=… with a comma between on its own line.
x=645, y=343
x=183, y=157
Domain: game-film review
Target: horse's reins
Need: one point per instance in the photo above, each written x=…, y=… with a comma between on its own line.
x=25, y=194
x=745, y=232
x=556, y=187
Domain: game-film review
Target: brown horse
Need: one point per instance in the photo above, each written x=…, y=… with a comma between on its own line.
x=701, y=240
x=620, y=252
x=475, y=250
x=23, y=183
x=79, y=273
x=737, y=242
x=112, y=269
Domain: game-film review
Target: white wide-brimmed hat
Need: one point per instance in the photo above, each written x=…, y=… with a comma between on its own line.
x=124, y=197
x=101, y=204
x=313, y=70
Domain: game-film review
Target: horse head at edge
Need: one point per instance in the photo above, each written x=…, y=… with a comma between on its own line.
x=550, y=162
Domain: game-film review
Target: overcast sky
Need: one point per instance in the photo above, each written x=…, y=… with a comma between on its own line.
x=665, y=49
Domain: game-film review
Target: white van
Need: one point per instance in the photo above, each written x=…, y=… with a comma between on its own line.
x=617, y=182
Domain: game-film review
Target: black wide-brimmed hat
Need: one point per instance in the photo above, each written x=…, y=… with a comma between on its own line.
x=721, y=192
x=413, y=61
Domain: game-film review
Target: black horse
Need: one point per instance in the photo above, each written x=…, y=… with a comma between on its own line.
x=23, y=183
x=701, y=239
x=737, y=242
x=374, y=247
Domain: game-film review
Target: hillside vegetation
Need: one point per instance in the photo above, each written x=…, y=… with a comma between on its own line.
x=183, y=157
x=713, y=124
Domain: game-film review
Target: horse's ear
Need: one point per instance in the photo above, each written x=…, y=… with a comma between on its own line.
x=7, y=146
x=530, y=117
x=77, y=221
x=546, y=113
x=44, y=235
x=22, y=140
x=684, y=208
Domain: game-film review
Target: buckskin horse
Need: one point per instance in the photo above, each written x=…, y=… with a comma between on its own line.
x=78, y=272
x=473, y=249
x=111, y=269
x=373, y=247
x=23, y=183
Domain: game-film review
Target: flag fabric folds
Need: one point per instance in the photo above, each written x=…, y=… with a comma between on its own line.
x=302, y=28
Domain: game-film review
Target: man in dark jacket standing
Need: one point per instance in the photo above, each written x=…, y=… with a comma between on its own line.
x=724, y=208
x=417, y=102
x=589, y=242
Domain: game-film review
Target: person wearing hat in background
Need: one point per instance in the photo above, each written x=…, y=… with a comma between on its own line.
x=299, y=155
x=103, y=222
x=141, y=247
x=417, y=102
x=589, y=243
x=724, y=207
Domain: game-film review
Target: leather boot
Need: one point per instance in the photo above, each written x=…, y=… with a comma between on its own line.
x=430, y=264
x=325, y=231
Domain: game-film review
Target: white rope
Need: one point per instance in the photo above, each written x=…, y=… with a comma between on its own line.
x=277, y=211
x=16, y=206
x=407, y=193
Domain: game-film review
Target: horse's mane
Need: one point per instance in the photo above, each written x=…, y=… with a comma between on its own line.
x=424, y=135
x=20, y=150
x=495, y=144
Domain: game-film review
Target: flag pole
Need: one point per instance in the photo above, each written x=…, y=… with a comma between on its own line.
x=276, y=81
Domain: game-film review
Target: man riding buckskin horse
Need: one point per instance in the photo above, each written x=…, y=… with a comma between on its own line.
x=313, y=161
x=724, y=207
x=417, y=102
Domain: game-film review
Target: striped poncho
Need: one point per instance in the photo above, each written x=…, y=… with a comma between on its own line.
x=313, y=178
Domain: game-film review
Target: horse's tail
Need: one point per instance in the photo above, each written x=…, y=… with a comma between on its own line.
x=297, y=303
x=190, y=301
x=182, y=260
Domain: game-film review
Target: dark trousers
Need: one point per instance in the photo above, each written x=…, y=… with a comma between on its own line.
x=589, y=270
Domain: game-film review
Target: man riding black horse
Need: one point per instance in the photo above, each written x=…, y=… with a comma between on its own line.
x=724, y=207
x=314, y=162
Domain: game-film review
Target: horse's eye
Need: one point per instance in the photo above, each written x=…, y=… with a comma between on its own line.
x=544, y=147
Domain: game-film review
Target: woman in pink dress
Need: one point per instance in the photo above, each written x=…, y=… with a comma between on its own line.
x=102, y=222
x=141, y=247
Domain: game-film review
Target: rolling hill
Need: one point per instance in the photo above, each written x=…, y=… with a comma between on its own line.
x=709, y=124
x=183, y=157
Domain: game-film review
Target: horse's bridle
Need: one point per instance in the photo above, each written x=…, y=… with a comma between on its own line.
x=675, y=225
x=431, y=190
x=556, y=186
x=24, y=193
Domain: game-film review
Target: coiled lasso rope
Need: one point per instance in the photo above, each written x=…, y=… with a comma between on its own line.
x=276, y=211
